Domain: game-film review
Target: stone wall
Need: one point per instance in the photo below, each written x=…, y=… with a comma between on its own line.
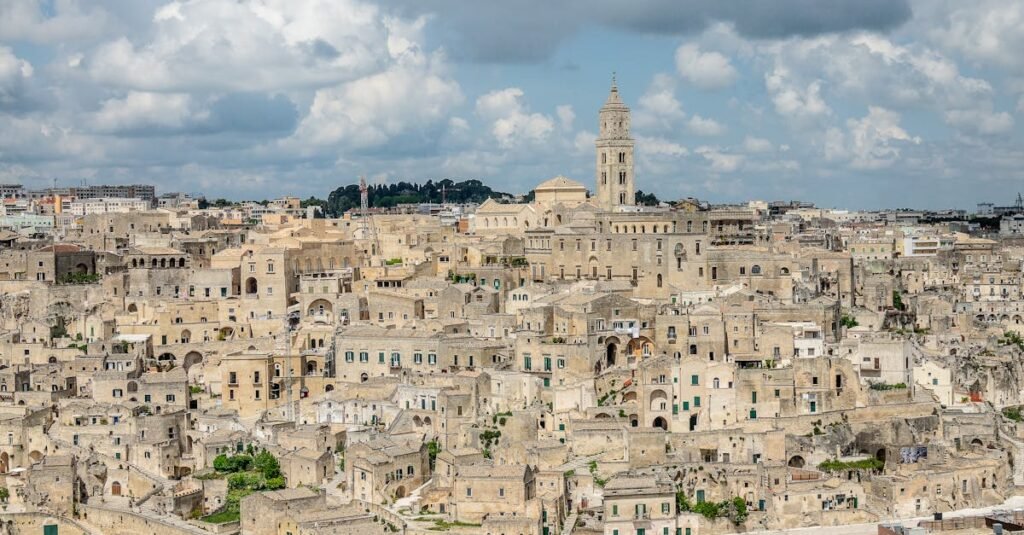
x=34, y=523
x=112, y=521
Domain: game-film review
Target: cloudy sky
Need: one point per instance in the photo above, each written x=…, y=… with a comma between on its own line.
x=850, y=103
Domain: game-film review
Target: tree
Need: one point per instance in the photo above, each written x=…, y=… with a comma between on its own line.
x=645, y=199
x=221, y=463
x=433, y=448
x=267, y=465
x=4, y=494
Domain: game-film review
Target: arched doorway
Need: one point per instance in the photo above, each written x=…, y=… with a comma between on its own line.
x=35, y=456
x=611, y=351
x=251, y=286
x=400, y=492
x=5, y=463
x=661, y=422
x=363, y=377
x=796, y=461
x=115, y=488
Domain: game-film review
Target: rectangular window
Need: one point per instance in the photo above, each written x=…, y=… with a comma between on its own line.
x=694, y=379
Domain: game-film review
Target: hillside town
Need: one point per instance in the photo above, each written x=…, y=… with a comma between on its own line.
x=571, y=361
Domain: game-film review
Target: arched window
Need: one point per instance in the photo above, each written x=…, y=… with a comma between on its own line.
x=755, y=270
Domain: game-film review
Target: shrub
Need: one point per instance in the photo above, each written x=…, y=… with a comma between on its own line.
x=835, y=465
x=266, y=464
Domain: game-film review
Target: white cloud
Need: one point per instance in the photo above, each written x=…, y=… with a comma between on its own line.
x=986, y=31
x=875, y=69
x=656, y=146
x=980, y=121
x=144, y=110
x=871, y=142
x=792, y=100
x=719, y=161
x=658, y=107
x=410, y=96
x=42, y=21
x=583, y=143
x=511, y=123
x=14, y=74
x=757, y=145
x=216, y=44
x=703, y=126
x=706, y=70
x=566, y=116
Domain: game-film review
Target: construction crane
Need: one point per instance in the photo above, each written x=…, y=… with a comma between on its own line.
x=369, y=228
x=444, y=193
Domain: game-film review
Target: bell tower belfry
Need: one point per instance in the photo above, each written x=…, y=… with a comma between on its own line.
x=615, y=180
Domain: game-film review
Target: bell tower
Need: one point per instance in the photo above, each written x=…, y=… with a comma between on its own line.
x=615, y=180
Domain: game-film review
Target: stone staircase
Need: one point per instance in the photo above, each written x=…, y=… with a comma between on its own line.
x=570, y=523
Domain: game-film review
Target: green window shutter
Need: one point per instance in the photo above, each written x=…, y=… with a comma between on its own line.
x=686, y=405
x=696, y=401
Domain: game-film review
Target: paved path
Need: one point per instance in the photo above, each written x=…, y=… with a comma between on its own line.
x=570, y=524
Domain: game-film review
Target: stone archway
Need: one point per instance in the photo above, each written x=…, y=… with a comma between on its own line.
x=192, y=358
x=796, y=461
x=661, y=422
